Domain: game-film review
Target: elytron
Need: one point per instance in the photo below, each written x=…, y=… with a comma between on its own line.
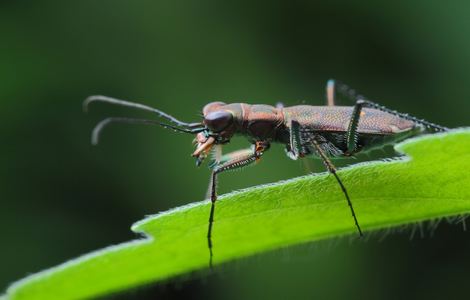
x=327, y=132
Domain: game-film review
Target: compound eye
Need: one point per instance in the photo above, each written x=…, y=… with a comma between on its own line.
x=218, y=120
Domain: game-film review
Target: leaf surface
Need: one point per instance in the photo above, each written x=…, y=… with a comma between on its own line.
x=431, y=181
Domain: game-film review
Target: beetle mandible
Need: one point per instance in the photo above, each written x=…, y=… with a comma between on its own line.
x=324, y=131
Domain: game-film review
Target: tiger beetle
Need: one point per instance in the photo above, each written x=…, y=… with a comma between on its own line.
x=326, y=132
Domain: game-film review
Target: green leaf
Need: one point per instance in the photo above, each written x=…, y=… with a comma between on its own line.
x=432, y=182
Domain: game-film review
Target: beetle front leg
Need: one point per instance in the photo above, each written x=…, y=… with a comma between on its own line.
x=231, y=161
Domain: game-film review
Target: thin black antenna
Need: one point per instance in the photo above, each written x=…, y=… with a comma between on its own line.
x=99, y=98
x=101, y=125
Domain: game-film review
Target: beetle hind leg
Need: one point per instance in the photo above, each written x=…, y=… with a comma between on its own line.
x=428, y=125
x=351, y=133
x=330, y=92
x=334, y=86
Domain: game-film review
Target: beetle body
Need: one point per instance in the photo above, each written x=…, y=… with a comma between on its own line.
x=267, y=123
x=324, y=131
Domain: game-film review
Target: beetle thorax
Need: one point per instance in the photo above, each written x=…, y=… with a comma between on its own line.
x=261, y=122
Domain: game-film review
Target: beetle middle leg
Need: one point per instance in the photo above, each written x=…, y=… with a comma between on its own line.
x=231, y=161
x=332, y=169
x=297, y=150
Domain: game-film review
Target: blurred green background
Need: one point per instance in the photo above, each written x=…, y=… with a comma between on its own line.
x=61, y=197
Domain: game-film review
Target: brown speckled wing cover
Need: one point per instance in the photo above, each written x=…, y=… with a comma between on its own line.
x=336, y=118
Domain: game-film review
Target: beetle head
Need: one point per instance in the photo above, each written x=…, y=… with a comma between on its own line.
x=219, y=123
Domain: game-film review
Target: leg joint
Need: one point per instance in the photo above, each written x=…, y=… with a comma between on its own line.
x=361, y=102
